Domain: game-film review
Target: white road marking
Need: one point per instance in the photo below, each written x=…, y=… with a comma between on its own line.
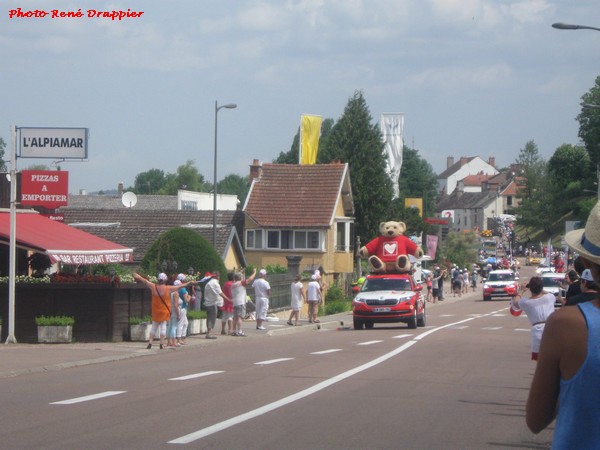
x=286, y=400
x=400, y=336
x=522, y=329
x=188, y=438
x=460, y=327
x=324, y=352
x=369, y=343
x=196, y=375
x=491, y=328
x=446, y=315
x=273, y=361
x=499, y=315
x=88, y=398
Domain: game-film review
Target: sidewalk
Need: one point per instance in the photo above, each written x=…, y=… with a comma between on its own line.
x=19, y=359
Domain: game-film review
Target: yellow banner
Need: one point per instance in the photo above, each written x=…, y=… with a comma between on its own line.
x=310, y=131
x=414, y=203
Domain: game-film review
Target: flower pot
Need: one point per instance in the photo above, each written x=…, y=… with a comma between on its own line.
x=55, y=334
x=197, y=326
x=140, y=332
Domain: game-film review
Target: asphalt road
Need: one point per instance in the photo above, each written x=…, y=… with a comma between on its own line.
x=459, y=383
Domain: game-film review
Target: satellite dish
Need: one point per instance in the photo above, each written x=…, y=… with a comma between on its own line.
x=129, y=199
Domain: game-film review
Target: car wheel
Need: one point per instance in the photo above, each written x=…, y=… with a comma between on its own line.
x=368, y=325
x=412, y=323
x=358, y=324
x=422, y=320
x=486, y=298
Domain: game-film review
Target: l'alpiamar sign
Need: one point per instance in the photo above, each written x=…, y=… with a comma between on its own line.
x=68, y=143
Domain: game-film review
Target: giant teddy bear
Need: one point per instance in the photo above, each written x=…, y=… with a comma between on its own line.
x=389, y=251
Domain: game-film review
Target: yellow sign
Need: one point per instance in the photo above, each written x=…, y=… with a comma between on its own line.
x=414, y=203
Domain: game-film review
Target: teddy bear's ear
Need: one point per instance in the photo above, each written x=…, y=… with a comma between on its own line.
x=382, y=225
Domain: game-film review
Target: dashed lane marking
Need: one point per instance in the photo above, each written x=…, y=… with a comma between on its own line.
x=401, y=336
x=272, y=361
x=369, y=343
x=324, y=352
x=196, y=375
x=87, y=398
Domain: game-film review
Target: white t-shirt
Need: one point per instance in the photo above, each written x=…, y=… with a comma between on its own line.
x=238, y=292
x=313, y=291
x=212, y=292
x=296, y=302
x=261, y=288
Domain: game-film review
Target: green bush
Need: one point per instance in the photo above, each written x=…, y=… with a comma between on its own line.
x=45, y=321
x=195, y=314
x=275, y=268
x=186, y=247
x=337, y=307
x=335, y=294
x=139, y=320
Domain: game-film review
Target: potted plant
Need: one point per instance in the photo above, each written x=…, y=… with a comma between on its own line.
x=55, y=329
x=139, y=328
x=197, y=322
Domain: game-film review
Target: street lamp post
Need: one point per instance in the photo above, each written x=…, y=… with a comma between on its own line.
x=214, y=233
x=568, y=26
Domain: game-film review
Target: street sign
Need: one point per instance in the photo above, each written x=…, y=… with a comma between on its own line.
x=61, y=143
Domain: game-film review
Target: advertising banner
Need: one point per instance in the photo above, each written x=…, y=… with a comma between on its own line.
x=61, y=143
x=46, y=188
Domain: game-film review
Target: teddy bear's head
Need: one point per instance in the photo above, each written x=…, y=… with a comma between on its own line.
x=392, y=228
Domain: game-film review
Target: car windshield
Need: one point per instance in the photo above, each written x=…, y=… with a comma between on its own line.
x=501, y=277
x=550, y=281
x=386, y=284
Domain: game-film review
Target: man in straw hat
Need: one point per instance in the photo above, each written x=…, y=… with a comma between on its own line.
x=568, y=368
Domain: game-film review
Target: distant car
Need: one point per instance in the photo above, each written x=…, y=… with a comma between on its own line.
x=543, y=268
x=389, y=298
x=500, y=283
x=533, y=260
x=553, y=285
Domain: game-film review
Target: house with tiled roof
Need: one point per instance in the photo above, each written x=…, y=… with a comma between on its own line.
x=464, y=167
x=138, y=226
x=470, y=210
x=301, y=210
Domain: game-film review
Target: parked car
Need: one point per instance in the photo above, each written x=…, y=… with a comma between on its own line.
x=389, y=298
x=553, y=284
x=500, y=283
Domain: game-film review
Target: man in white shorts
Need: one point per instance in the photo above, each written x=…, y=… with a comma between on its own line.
x=238, y=294
x=262, y=290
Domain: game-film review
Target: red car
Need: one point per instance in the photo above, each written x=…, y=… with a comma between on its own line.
x=389, y=298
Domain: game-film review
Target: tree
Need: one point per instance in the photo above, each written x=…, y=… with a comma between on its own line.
x=234, y=185
x=460, y=248
x=356, y=141
x=2, y=150
x=187, y=248
x=571, y=173
x=149, y=182
x=535, y=192
x=589, y=123
x=187, y=177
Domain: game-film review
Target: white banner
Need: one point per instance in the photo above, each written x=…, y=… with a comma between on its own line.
x=67, y=143
x=448, y=214
x=392, y=129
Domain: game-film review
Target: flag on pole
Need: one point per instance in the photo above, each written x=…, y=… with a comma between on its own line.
x=432, y=241
x=310, y=131
x=392, y=129
x=414, y=203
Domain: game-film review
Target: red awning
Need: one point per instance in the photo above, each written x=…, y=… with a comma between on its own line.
x=61, y=242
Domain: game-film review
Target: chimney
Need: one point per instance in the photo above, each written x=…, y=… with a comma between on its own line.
x=463, y=160
x=492, y=161
x=449, y=161
x=255, y=169
x=120, y=188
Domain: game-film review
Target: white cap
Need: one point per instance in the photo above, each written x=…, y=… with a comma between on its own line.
x=262, y=272
x=587, y=275
x=176, y=282
x=181, y=277
x=162, y=276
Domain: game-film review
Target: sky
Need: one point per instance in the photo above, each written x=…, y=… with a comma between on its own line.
x=472, y=77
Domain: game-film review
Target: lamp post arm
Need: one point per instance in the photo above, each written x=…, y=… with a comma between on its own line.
x=567, y=26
